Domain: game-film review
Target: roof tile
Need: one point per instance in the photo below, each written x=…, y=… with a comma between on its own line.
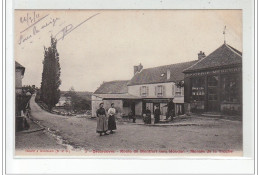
x=113, y=87
x=159, y=74
x=225, y=55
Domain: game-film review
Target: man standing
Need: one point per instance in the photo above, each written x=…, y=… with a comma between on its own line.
x=131, y=116
x=171, y=109
x=148, y=116
x=157, y=114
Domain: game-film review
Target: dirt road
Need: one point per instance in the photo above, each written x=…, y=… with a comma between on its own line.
x=81, y=133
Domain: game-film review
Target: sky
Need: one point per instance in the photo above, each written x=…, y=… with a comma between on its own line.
x=104, y=45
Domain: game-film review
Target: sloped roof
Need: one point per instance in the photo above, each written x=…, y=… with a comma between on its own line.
x=113, y=87
x=159, y=74
x=224, y=56
x=19, y=66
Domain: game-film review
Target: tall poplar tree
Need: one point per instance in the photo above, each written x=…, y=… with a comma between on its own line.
x=50, y=93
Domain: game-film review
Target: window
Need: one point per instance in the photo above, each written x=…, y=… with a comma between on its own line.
x=178, y=91
x=144, y=91
x=160, y=90
x=230, y=89
x=198, y=89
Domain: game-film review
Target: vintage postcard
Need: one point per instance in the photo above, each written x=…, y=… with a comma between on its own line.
x=128, y=83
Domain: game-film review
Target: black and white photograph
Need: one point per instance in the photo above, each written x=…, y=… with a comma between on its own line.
x=128, y=82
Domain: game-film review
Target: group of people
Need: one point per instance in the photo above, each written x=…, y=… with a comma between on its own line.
x=104, y=125
x=147, y=117
x=170, y=113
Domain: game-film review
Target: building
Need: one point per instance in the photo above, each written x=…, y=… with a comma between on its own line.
x=19, y=73
x=148, y=88
x=114, y=92
x=214, y=83
x=159, y=85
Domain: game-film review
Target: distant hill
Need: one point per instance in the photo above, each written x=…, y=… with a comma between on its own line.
x=83, y=94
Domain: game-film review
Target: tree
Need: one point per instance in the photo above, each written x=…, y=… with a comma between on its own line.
x=72, y=95
x=77, y=103
x=50, y=93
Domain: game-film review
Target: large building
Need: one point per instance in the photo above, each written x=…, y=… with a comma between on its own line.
x=148, y=88
x=214, y=83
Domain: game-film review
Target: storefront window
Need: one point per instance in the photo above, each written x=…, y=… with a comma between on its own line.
x=198, y=89
x=230, y=89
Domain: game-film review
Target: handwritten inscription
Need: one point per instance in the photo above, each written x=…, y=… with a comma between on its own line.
x=29, y=18
x=35, y=24
x=69, y=28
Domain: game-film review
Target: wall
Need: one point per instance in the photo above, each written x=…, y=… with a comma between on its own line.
x=118, y=104
x=18, y=81
x=231, y=108
x=138, y=108
x=95, y=101
x=169, y=91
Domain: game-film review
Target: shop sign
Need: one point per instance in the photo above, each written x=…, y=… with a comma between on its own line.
x=221, y=71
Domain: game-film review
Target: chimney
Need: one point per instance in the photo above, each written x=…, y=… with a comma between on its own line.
x=135, y=69
x=138, y=68
x=201, y=55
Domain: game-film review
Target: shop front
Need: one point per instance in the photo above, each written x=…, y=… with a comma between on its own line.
x=215, y=91
x=163, y=106
x=215, y=84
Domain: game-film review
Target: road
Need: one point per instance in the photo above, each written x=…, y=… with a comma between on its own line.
x=81, y=133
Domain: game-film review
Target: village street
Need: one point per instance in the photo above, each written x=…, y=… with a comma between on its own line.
x=80, y=132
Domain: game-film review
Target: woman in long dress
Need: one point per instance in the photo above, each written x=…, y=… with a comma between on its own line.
x=111, y=119
x=102, y=125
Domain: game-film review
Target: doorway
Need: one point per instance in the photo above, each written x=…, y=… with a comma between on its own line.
x=133, y=107
x=212, y=98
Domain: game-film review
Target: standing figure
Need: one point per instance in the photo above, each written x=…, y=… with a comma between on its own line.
x=157, y=114
x=111, y=119
x=170, y=110
x=101, y=120
x=148, y=118
x=131, y=116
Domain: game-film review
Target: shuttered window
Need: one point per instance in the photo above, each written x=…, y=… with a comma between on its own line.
x=144, y=91
x=160, y=90
x=178, y=91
